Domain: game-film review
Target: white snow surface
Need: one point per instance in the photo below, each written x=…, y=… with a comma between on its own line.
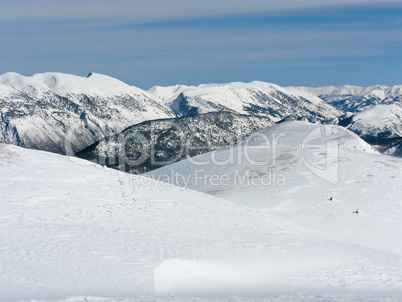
x=56, y=111
x=5, y=91
x=170, y=93
x=64, y=84
x=237, y=96
x=316, y=176
x=355, y=98
x=349, y=89
x=379, y=119
x=70, y=228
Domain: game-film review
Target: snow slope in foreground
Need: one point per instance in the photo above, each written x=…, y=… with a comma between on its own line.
x=318, y=184
x=72, y=228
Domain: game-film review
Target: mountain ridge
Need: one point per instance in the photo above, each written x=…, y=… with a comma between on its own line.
x=65, y=113
x=355, y=98
x=380, y=125
x=254, y=98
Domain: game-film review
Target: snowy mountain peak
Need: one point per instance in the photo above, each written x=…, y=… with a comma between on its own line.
x=55, y=111
x=254, y=98
x=64, y=84
x=380, y=125
x=94, y=84
x=28, y=85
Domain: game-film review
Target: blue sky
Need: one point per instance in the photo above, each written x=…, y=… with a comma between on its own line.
x=165, y=42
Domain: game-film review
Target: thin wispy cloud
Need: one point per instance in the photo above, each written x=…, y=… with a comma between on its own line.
x=176, y=41
x=157, y=10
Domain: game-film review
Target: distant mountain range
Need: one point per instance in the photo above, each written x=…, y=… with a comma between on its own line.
x=374, y=113
x=255, y=98
x=64, y=113
x=380, y=125
x=69, y=114
x=211, y=117
x=354, y=98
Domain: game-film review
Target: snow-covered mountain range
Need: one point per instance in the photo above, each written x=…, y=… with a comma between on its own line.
x=255, y=98
x=373, y=112
x=380, y=125
x=65, y=113
x=71, y=230
x=354, y=98
x=153, y=144
x=294, y=212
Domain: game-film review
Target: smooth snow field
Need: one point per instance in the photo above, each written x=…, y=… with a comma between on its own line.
x=71, y=230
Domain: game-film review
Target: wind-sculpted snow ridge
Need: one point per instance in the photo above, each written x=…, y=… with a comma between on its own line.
x=255, y=98
x=153, y=144
x=65, y=113
x=71, y=228
x=354, y=98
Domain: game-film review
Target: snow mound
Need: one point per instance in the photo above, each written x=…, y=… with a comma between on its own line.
x=299, y=133
x=314, y=175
